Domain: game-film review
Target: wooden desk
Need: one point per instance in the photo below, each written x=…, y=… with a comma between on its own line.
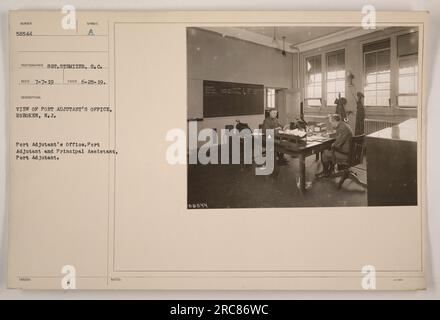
x=302, y=151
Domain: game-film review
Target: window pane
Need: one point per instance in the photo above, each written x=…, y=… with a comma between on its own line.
x=382, y=102
x=370, y=94
x=331, y=97
x=406, y=85
x=370, y=98
x=370, y=87
x=340, y=86
x=314, y=102
x=370, y=60
x=407, y=65
x=383, y=59
x=331, y=62
x=318, y=77
x=313, y=79
x=340, y=74
x=383, y=86
x=309, y=91
x=383, y=94
x=371, y=78
x=341, y=58
x=383, y=98
x=270, y=98
x=317, y=91
x=384, y=77
x=377, y=45
x=416, y=84
x=377, y=80
x=335, y=76
x=331, y=86
x=318, y=63
x=331, y=75
x=408, y=44
x=408, y=74
x=309, y=65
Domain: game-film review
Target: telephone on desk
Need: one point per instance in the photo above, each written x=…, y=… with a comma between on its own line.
x=298, y=124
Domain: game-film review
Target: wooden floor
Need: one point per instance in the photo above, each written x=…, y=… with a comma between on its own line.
x=237, y=186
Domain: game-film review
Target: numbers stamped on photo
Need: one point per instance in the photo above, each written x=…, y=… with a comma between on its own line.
x=202, y=205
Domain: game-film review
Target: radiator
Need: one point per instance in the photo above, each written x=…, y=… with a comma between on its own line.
x=373, y=125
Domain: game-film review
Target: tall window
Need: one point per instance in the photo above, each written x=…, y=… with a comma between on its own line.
x=270, y=98
x=407, y=52
x=313, y=81
x=335, y=76
x=377, y=73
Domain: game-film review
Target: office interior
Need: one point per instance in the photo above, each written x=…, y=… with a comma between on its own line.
x=303, y=70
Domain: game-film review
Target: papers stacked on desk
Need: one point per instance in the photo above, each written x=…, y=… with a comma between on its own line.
x=294, y=132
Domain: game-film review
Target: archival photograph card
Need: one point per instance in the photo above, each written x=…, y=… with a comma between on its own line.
x=217, y=150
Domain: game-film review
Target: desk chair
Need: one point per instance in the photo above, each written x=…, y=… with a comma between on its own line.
x=260, y=126
x=355, y=157
x=230, y=127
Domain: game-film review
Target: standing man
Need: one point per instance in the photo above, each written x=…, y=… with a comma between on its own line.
x=340, y=148
x=360, y=114
x=340, y=108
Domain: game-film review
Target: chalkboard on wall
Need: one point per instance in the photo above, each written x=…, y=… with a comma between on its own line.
x=222, y=99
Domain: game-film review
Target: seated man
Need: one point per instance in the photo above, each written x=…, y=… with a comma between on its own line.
x=340, y=148
x=272, y=122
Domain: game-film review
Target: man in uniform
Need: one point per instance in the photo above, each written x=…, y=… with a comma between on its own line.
x=272, y=122
x=340, y=148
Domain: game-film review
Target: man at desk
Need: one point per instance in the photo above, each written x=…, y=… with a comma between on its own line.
x=272, y=122
x=340, y=148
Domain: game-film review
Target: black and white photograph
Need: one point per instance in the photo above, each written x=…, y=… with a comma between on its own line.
x=220, y=152
x=302, y=116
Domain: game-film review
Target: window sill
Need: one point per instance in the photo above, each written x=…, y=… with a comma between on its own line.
x=407, y=108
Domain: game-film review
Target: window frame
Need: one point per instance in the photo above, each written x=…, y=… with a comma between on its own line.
x=322, y=53
x=394, y=106
x=326, y=55
x=306, y=99
x=394, y=74
x=416, y=74
x=398, y=58
x=266, y=96
x=364, y=71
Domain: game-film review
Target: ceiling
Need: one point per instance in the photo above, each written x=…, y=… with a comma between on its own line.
x=302, y=38
x=295, y=35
